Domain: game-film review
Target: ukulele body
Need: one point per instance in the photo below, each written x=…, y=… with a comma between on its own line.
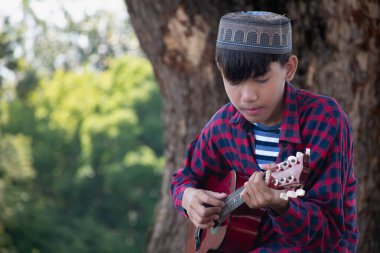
x=237, y=233
x=239, y=224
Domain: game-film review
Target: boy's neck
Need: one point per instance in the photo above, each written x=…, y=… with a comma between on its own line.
x=276, y=117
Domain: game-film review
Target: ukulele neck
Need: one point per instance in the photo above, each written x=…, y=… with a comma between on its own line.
x=232, y=202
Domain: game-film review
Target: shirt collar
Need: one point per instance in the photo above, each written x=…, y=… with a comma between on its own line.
x=290, y=131
x=290, y=127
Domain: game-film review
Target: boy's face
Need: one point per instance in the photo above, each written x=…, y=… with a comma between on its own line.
x=260, y=99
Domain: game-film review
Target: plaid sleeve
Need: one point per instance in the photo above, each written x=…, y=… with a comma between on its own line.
x=199, y=157
x=351, y=234
x=324, y=219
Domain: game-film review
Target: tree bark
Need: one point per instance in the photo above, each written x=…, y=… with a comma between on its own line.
x=337, y=43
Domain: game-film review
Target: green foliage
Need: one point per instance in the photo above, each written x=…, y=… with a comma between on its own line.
x=15, y=174
x=16, y=164
x=80, y=151
x=89, y=158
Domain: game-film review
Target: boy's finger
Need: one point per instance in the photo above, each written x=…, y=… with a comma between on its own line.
x=218, y=195
x=269, y=166
x=209, y=199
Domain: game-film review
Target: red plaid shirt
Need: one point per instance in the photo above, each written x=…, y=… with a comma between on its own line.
x=324, y=220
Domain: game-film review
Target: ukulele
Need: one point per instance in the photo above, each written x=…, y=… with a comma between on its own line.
x=238, y=226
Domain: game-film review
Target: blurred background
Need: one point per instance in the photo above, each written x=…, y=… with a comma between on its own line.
x=81, y=149
x=98, y=103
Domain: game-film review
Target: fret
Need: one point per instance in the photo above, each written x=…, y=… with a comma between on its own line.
x=233, y=201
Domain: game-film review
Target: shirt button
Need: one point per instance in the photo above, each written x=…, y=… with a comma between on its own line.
x=284, y=144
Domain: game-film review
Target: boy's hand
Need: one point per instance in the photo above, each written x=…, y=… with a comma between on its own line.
x=202, y=207
x=257, y=194
x=269, y=166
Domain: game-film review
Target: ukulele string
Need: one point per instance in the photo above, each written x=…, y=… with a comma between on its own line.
x=231, y=200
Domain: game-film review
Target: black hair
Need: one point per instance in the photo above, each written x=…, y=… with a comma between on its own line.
x=237, y=66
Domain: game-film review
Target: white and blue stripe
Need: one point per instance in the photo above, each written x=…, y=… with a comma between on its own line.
x=266, y=140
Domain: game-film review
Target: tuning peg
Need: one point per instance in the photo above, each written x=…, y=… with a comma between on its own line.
x=292, y=160
x=291, y=194
x=284, y=196
x=300, y=192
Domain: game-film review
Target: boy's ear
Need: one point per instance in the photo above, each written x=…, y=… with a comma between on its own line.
x=291, y=67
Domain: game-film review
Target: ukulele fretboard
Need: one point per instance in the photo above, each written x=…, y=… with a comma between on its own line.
x=232, y=202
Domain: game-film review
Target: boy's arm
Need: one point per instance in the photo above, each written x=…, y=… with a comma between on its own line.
x=199, y=156
x=325, y=218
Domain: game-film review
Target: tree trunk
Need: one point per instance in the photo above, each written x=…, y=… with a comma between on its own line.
x=337, y=43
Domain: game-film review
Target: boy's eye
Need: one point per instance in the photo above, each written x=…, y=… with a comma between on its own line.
x=262, y=80
x=234, y=83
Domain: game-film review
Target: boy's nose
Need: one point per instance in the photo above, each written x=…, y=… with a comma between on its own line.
x=249, y=93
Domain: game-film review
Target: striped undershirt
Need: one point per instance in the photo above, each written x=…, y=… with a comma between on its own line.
x=266, y=139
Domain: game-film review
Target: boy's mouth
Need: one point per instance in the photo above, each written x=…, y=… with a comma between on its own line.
x=253, y=111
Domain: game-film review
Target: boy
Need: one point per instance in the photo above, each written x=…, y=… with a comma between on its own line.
x=266, y=121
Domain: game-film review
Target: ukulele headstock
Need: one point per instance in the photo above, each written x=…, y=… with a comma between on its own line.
x=287, y=174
